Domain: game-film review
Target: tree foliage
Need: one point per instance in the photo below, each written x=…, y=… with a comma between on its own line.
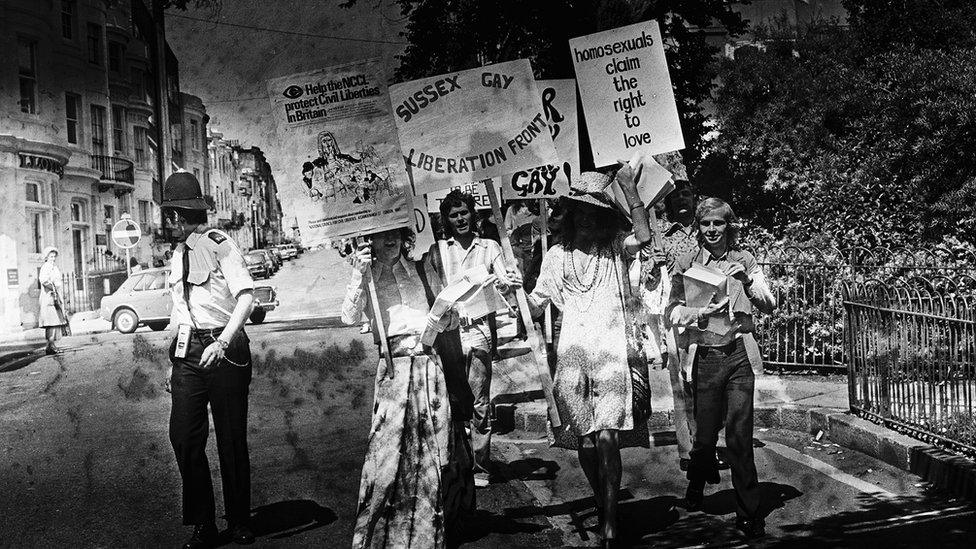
x=451, y=35
x=850, y=137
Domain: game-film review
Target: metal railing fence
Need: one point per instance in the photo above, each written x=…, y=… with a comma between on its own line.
x=807, y=329
x=912, y=360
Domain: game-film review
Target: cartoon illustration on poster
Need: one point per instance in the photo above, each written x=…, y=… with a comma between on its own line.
x=341, y=151
x=551, y=181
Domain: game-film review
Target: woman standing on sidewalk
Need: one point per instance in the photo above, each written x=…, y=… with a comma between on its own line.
x=721, y=373
x=417, y=482
x=51, y=316
x=600, y=384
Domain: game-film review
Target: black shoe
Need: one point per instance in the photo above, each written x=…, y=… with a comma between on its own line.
x=751, y=528
x=204, y=536
x=241, y=534
x=695, y=495
x=683, y=463
x=612, y=543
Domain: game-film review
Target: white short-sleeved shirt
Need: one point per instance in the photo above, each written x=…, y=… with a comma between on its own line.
x=217, y=275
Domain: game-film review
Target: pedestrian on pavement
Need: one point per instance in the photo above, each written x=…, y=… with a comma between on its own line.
x=601, y=385
x=680, y=235
x=417, y=486
x=722, y=376
x=52, y=316
x=212, y=295
x=464, y=249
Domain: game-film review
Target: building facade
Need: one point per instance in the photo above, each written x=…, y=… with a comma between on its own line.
x=76, y=142
x=82, y=108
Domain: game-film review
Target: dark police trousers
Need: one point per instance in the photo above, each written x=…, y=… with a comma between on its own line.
x=224, y=387
x=724, y=384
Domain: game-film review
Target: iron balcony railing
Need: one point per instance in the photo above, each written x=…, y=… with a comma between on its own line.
x=912, y=360
x=113, y=169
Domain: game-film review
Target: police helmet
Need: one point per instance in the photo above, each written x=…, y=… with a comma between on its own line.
x=182, y=190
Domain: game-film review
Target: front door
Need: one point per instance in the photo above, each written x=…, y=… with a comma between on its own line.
x=78, y=252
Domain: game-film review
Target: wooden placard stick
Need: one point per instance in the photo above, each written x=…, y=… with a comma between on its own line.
x=374, y=302
x=541, y=362
x=544, y=243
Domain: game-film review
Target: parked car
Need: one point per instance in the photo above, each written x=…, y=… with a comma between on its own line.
x=265, y=299
x=257, y=264
x=142, y=300
x=277, y=253
x=273, y=264
x=288, y=251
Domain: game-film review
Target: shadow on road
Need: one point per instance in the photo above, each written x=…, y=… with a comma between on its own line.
x=285, y=519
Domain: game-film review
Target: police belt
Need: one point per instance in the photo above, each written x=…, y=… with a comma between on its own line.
x=212, y=332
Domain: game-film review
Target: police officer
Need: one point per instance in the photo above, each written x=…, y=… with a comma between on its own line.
x=212, y=297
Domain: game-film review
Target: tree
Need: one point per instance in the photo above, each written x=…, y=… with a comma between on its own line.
x=819, y=141
x=450, y=35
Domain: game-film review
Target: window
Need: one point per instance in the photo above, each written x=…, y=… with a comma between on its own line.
x=98, y=130
x=68, y=19
x=37, y=232
x=27, y=53
x=109, y=214
x=94, y=44
x=194, y=134
x=139, y=144
x=138, y=83
x=177, y=132
x=144, y=212
x=77, y=212
x=72, y=113
x=196, y=174
x=118, y=128
x=116, y=53
x=33, y=192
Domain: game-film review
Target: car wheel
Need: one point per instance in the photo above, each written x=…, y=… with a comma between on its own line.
x=158, y=326
x=125, y=321
x=257, y=316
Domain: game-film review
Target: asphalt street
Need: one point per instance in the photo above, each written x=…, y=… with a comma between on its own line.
x=85, y=460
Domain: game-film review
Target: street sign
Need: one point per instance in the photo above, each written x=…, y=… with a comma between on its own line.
x=126, y=234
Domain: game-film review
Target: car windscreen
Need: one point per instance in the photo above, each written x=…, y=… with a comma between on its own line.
x=254, y=259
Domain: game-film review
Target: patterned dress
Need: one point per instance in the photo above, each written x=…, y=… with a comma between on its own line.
x=417, y=484
x=592, y=386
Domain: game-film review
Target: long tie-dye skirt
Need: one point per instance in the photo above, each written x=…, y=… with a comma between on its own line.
x=417, y=482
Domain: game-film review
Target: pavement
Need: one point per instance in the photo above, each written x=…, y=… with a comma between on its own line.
x=85, y=459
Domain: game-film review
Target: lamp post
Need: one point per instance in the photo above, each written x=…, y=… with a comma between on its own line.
x=254, y=222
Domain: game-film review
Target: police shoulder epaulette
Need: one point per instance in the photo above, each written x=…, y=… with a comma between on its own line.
x=217, y=237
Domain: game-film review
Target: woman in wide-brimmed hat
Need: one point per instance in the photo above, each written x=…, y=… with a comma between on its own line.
x=600, y=384
x=52, y=316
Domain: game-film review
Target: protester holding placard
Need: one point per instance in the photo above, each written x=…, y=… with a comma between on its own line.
x=416, y=486
x=463, y=249
x=721, y=373
x=600, y=386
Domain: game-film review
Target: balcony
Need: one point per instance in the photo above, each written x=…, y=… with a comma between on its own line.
x=115, y=174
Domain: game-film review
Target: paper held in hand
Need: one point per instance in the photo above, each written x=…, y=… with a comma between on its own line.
x=704, y=285
x=473, y=296
x=654, y=184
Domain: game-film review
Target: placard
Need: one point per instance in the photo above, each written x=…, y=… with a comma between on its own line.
x=13, y=277
x=339, y=150
x=475, y=189
x=422, y=229
x=626, y=92
x=471, y=125
x=551, y=181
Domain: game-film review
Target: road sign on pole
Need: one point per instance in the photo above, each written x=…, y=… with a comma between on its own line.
x=126, y=234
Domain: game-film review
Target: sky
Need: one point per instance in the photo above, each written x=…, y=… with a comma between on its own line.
x=228, y=67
